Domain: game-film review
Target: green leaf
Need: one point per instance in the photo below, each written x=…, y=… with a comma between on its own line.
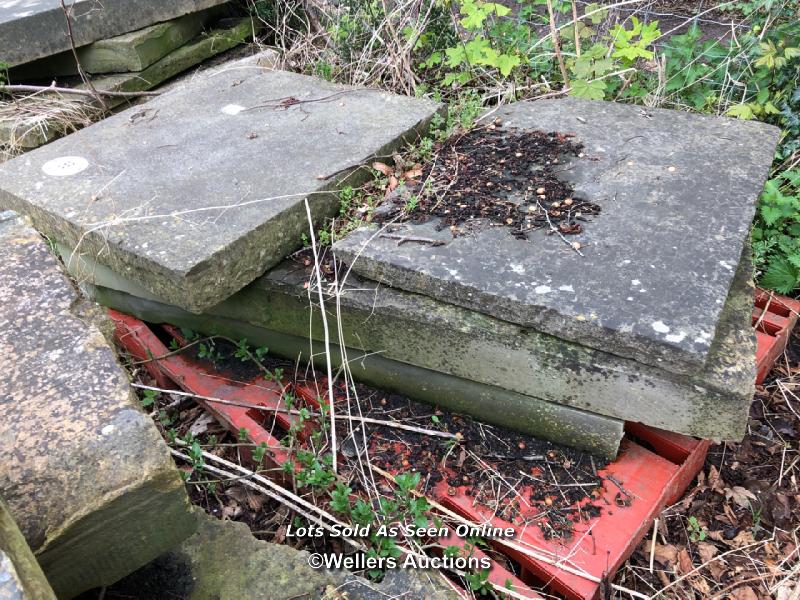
x=506, y=62
x=780, y=276
x=741, y=111
x=770, y=214
x=592, y=90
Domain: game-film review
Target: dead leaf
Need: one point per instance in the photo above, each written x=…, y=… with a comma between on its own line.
x=684, y=561
x=744, y=593
x=742, y=496
x=717, y=570
x=667, y=555
x=706, y=551
x=784, y=591
x=393, y=183
x=412, y=174
x=382, y=168
x=200, y=426
x=701, y=585
x=714, y=480
x=743, y=538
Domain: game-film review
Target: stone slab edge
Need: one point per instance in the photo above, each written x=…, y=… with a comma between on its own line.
x=561, y=424
x=417, y=330
x=32, y=581
x=22, y=40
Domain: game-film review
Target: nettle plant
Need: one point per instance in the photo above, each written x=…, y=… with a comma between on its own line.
x=776, y=234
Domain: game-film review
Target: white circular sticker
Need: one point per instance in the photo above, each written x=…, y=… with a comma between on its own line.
x=65, y=166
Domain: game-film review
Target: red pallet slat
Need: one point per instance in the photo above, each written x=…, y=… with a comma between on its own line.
x=774, y=317
x=192, y=377
x=651, y=478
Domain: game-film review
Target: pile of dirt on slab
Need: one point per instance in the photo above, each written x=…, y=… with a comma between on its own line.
x=505, y=177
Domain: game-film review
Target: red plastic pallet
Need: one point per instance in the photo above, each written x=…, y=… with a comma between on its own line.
x=653, y=470
x=774, y=317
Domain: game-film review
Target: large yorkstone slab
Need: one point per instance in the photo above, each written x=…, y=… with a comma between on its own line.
x=199, y=192
x=31, y=29
x=470, y=362
x=86, y=474
x=678, y=195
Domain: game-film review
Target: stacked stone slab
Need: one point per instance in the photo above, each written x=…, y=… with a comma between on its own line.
x=649, y=323
x=135, y=61
x=86, y=475
x=34, y=29
x=198, y=193
x=651, y=320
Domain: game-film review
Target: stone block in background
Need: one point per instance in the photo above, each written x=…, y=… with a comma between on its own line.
x=33, y=29
x=29, y=123
x=85, y=472
x=129, y=52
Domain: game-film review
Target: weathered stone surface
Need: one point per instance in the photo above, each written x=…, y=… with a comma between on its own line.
x=197, y=194
x=129, y=52
x=21, y=577
x=463, y=347
x=223, y=561
x=86, y=474
x=32, y=129
x=276, y=315
x=31, y=29
x=678, y=195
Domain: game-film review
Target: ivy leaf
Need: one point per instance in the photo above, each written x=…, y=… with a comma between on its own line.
x=592, y=90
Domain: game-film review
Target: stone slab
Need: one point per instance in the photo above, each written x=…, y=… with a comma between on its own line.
x=200, y=192
x=678, y=194
x=276, y=315
x=223, y=561
x=127, y=53
x=512, y=367
x=21, y=577
x=86, y=475
x=32, y=29
x=29, y=131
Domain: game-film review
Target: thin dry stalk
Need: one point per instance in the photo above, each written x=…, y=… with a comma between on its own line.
x=326, y=333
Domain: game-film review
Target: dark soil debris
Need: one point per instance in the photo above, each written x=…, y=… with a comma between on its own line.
x=506, y=177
